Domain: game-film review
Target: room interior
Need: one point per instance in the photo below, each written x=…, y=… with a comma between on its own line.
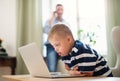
x=21, y=23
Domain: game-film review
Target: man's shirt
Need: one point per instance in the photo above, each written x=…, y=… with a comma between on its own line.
x=87, y=59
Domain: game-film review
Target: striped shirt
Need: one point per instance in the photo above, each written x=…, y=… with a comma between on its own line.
x=87, y=59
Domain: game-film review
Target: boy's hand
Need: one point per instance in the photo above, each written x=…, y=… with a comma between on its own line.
x=75, y=71
x=88, y=73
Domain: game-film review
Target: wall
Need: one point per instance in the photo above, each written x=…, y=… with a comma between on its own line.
x=8, y=25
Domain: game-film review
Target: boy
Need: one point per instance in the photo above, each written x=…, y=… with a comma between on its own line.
x=79, y=58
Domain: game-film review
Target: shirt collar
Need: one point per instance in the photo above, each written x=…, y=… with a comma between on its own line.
x=74, y=48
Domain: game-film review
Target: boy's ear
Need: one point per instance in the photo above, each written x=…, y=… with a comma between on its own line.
x=69, y=38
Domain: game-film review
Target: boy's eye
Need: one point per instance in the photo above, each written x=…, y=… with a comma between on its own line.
x=56, y=44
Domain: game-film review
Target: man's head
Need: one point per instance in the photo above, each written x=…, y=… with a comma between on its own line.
x=61, y=39
x=59, y=10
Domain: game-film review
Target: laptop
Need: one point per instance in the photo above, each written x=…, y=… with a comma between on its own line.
x=35, y=63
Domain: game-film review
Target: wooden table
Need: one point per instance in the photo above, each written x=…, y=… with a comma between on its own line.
x=30, y=78
x=8, y=61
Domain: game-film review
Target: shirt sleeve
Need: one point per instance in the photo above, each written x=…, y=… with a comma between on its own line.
x=87, y=59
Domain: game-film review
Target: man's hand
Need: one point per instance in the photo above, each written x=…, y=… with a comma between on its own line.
x=55, y=14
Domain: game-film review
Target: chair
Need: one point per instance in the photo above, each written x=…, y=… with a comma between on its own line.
x=116, y=44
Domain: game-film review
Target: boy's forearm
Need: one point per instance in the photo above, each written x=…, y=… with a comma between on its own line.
x=79, y=73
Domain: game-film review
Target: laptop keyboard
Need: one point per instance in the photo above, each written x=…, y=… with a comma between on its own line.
x=58, y=74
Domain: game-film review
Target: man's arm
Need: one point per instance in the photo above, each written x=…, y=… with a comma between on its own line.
x=49, y=23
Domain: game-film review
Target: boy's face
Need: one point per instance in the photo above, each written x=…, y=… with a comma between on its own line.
x=61, y=45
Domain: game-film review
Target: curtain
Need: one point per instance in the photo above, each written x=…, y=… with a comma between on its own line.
x=112, y=19
x=29, y=27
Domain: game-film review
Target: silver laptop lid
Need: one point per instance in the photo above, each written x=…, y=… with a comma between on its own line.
x=34, y=60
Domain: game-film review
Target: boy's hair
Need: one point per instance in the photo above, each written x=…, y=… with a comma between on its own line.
x=61, y=30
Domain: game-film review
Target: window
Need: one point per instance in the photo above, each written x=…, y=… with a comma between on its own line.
x=92, y=22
